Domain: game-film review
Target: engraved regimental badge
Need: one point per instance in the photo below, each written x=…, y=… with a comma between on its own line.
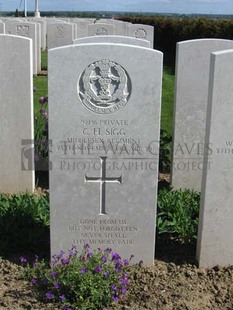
x=104, y=87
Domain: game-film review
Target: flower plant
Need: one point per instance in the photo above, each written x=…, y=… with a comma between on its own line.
x=85, y=280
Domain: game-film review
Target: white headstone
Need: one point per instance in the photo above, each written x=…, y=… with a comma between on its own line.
x=140, y=31
x=191, y=92
x=113, y=39
x=16, y=117
x=215, y=238
x=2, y=28
x=104, y=117
x=59, y=34
x=82, y=28
x=99, y=29
x=28, y=30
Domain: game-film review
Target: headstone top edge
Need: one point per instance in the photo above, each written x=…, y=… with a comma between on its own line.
x=105, y=44
x=226, y=51
x=202, y=40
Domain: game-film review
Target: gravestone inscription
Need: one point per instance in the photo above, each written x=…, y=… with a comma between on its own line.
x=104, y=124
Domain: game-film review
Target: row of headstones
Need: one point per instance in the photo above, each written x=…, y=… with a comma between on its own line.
x=202, y=158
x=104, y=120
x=50, y=33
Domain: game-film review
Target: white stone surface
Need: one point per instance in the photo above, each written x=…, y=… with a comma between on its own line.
x=28, y=30
x=16, y=117
x=59, y=34
x=113, y=39
x=215, y=236
x=82, y=28
x=140, y=31
x=191, y=92
x=2, y=28
x=106, y=105
x=101, y=29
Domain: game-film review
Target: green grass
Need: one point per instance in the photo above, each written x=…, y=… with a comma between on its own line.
x=40, y=84
x=167, y=100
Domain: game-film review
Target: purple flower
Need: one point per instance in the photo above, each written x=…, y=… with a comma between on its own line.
x=141, y=262
x=74, y=247
x=53, y=273
x=41, y=100
x=117, y=270
x=97, y=269
x=114, y=297
x=113, y=287
x=68, y=308
x=62, y=297
x=118, y=263
x=42, y=111
x=56, y=285
x=34, y=281
x=126, y=262
x=123, y=290
x=115, y=256
x=46, y=98
x=65, y=261
x=49, y=295
x=89, y=254
x=45, y=115
x=124, y=281
x=104, y=259
x=106, y=274
x=126, y=275
x=23, y=260
x=83, y=270
x=131, y=256
x=86, y=246
x=108, y=250
x=45, y=280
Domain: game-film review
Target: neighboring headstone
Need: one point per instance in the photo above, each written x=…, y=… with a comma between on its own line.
x=43, y=32
x=215, y=237
x=113, y=39
x=82, y=28
x=104, y=117
x=16, y=117
x=143, y=32
x=2, y=28
x=99, y=29
x=28, y=30
x=191, y=92
x=120, y=26
x=59, y=35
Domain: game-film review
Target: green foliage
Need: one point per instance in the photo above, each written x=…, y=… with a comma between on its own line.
x=44, y=55
x=168, y=31
x=85, y=280
x=165, y=152
x=41, y=135
x=40, y=84
x=24, y=223
x=177, y=214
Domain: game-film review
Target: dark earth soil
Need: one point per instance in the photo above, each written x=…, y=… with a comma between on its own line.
x=174, y=282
